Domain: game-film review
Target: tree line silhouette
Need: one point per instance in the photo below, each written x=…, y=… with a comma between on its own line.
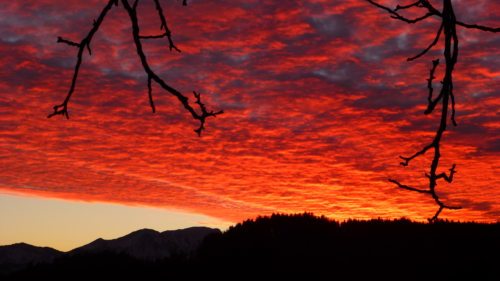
x=310, y=247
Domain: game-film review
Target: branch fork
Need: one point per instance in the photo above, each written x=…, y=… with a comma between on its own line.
x=448, y=28
x=62, y=109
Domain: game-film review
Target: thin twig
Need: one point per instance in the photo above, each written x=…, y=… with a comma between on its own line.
x=396, y=15
x=403, y=7
x=480, y=27
x=436, y=39
x=408, y=187
x=164, y=26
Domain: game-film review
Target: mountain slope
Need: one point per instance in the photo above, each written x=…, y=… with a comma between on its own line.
x=15, y=256
x=150, y=245
x=145, y=245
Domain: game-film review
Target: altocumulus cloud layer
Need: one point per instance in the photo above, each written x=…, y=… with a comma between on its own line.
x=319, y=103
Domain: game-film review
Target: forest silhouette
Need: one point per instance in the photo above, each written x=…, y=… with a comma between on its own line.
x=307, y=247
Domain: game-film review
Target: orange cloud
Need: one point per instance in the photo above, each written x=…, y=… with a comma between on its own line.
x=319, y=103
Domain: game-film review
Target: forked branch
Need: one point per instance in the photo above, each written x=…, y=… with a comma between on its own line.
x=431, y=11
x=62, y=109
x=448, y=26
x=164, y=26
x=200, y=115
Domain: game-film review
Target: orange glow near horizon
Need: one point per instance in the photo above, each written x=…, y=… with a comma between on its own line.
x=318, y=97
x=65, y=225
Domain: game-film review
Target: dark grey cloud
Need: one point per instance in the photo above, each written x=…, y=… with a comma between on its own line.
x=332, y=26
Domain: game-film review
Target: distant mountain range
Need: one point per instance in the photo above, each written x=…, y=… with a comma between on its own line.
x=144, y=244
x=277, y=247
x=16, y=256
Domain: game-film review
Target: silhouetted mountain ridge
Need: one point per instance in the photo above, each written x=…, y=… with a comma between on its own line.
x=16, y=256
x=148, y=244
x=302, y=247
x=145, y=244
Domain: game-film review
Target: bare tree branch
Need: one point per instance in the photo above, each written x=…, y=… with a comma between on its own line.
x=201, y=117
x=447, y=178
x=448, y=26
x=396, y=15
x=480, y=27
x=406, y=160
x=438, y=34
x=436, y=215
x=62, y=109
x=408, y=187
x=69, y=42
x=154, y=37
x=403, y=7
x=204, y=112
x=432, y=11
x=164, y=26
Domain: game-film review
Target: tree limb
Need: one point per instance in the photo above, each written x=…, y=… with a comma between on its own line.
x=418, y=153
x=446, y=96
x=201, y=117
x=438, y=34
x=164, y=26
x=432, y=11
x=396, y=15
x=409, y=187
x=62, y=109
x=479, y=27
x=447, y=178
x=403, y=7
x=69, y=42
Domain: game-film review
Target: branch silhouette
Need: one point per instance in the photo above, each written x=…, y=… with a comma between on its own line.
x=445, y=97
x=200, y=114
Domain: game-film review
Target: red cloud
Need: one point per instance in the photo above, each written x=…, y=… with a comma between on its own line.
x=319, y=103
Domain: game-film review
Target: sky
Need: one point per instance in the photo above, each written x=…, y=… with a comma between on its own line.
x=67, y=224
x=319, y=103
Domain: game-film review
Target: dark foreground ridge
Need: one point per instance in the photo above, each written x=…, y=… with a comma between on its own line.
x=305, y=247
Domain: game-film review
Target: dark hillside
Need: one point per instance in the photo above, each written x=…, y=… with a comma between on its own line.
x=306, y=247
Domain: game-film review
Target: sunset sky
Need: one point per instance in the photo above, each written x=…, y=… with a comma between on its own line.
x=319, y=102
